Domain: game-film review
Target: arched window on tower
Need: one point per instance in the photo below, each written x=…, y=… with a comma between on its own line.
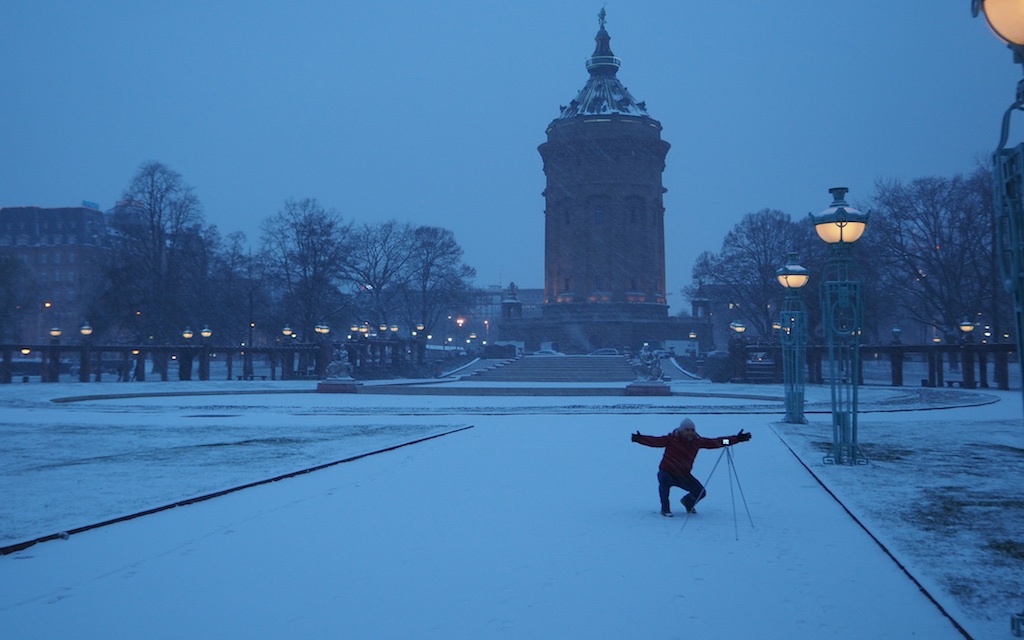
x=636, y=210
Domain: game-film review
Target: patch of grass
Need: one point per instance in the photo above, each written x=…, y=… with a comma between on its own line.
x=886, y=453
x=1014, y=451
x=939, y=508
x=963, y=590
x=1009, y=548
x=822, y=446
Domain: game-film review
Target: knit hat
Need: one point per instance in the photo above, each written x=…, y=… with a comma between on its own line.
x=686, y=425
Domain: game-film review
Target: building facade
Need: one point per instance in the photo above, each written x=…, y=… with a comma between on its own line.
x=604, y=238
x=62, y=250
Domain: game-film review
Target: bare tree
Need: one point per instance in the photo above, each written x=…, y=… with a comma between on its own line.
x=306, y=248
x=935, y=246
x=161, y=254
x=742, y=274
x=238, y=295
x=438, y=281
x=377, y=268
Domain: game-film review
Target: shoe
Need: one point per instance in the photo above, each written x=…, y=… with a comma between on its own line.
x=688, y=508
x=667, y=514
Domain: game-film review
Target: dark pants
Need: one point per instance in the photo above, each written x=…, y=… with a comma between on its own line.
x=686, y=482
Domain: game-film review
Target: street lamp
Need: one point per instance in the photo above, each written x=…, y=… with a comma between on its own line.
x=1006, y=18
x=204, y=352
x=53, y=366
x=793, y=338
x=738, y=351
x=966, y=326
x=86, y=357
x=185, y=357
x=324, y=350
x=840, y=225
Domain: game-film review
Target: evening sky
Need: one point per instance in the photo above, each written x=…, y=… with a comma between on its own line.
x=433, y=114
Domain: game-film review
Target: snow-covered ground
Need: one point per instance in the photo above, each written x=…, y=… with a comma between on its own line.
x=528, y=516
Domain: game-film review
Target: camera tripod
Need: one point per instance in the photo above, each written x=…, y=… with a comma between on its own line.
x=727, y=454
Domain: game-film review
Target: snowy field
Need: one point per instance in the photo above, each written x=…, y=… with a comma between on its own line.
x=527, y=516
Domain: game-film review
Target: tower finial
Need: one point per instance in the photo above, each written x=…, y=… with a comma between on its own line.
x=600, y=18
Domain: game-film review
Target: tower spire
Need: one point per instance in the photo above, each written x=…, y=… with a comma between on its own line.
x=603, y=94
x=603, y=62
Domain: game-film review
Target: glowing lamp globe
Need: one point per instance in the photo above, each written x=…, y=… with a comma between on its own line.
x=840, y=224
x=792, y=275
x=1005, y=17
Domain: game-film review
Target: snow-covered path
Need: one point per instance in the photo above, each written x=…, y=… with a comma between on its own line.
x=521, y=527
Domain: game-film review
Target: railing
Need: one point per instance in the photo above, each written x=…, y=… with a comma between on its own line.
x=969, y=364
x=93, y=362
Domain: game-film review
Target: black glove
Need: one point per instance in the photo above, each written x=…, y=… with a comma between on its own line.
x=741, y=437
x=635, y=437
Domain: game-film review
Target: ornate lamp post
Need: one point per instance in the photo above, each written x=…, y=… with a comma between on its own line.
x=840, y=225
x=738, y=351
x=967, y=355
x=896, y=357
x=793, y=337
x=185, y=357
x=287, y=358
x=86, y=357
x=53, y=366
x=1006, y=17
x=204, y=353
x=324, y=351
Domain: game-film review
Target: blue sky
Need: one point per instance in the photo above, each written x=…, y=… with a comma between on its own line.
x=432, y=115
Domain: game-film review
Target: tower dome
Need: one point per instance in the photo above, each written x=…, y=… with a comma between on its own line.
x=603, y=94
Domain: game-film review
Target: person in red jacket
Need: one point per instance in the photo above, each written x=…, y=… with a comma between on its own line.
x=681, y=447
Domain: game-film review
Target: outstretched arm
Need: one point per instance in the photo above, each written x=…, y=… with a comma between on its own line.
x=649, y=441
x=728, y=441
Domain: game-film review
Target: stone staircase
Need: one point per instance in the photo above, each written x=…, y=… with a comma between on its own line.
x=558, y=369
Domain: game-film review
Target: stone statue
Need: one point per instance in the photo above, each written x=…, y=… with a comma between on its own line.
x=339, y=367
x=646, y=365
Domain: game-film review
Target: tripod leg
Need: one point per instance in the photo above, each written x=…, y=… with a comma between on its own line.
x=732, y=467
x=732, y=495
